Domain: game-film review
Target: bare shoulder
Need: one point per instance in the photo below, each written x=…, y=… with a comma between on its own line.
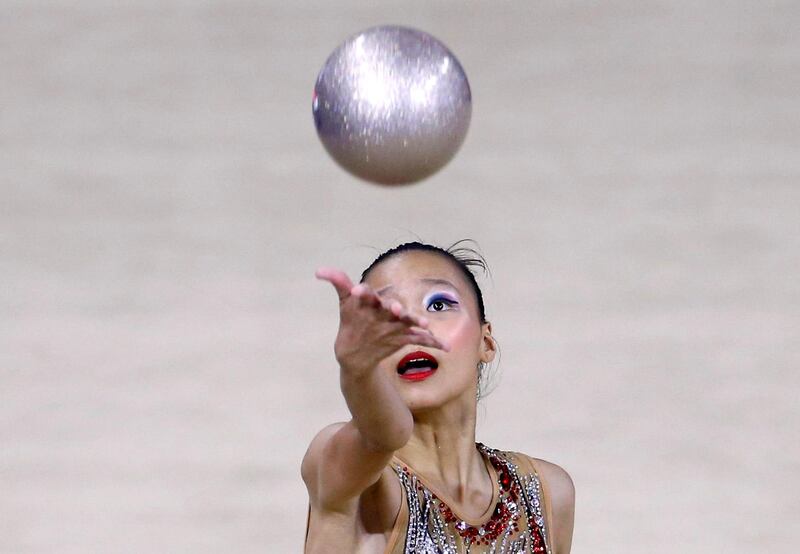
x=558, y=480
x=562, y=499
x=341, y=474
x=310, y=466
x=350, y=506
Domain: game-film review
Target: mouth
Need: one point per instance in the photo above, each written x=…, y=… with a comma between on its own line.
x=417, y=366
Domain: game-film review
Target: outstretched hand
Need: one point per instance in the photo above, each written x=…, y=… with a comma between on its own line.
x=372, y=328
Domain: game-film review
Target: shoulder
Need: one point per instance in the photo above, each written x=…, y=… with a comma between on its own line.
x=557, y=479
x=314, y=453
x=337, y=473
x=561, y=491
x=346, y=499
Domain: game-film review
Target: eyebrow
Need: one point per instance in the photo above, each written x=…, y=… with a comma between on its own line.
x=444, y=282
x=441, y=282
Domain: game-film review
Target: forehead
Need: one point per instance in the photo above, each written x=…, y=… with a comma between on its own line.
x=415, y=265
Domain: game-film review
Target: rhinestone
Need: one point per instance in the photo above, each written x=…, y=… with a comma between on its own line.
x=432, y=526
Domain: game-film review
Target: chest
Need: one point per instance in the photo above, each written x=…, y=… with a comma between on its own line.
x=514, y=523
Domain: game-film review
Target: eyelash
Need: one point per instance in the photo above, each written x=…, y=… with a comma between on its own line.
x=440, y=298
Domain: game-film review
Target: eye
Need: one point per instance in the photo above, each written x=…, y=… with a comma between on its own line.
x=441, y=303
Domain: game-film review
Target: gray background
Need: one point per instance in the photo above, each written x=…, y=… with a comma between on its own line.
x=632, y=174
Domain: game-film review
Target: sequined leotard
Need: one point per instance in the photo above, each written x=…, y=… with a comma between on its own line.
x=517, y=523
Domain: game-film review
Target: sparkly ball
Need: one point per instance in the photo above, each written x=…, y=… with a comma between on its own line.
x=392, y=105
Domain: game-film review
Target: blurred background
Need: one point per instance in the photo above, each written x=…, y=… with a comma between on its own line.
x=632, y=175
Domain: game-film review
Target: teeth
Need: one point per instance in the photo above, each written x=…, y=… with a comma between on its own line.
x=417, y=365
x=414, y=370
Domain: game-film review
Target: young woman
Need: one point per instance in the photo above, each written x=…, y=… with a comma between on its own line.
x=405, y=475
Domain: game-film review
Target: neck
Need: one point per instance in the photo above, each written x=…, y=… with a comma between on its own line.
x=442, y=447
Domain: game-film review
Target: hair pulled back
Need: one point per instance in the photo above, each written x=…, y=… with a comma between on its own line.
x=464, y=257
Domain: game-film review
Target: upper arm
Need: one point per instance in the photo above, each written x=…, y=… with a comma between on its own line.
x=562, y=501
x=339, y=466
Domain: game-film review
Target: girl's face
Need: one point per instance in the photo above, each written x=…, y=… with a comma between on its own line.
x=430, y=285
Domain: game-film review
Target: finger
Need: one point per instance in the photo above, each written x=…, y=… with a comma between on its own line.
x=423, y=337
x=407, y=317
x=336, y=277
x=396, y=309
x=366, y=296
x=427, y=341
x=414, y=321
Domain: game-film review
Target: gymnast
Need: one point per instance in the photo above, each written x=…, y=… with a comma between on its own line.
x=405, y=474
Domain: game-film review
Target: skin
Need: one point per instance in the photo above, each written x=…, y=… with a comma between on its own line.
x=354, y=494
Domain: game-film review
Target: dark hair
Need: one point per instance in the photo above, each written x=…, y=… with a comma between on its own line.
x=464, y=257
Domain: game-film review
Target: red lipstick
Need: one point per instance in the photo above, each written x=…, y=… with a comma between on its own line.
x=417, y=366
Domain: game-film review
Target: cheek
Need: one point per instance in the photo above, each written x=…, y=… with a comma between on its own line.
x=462, y=334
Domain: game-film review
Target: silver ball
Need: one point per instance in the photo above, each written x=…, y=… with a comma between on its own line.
x=392, y=105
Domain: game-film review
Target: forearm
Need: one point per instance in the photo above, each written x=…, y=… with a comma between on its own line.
x=379, y=413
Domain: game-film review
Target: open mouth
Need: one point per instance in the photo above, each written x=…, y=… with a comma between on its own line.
x=417, y=366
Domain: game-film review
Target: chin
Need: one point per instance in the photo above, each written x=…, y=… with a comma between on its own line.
x=423, y=401
x=421, y=404
x=426, y=401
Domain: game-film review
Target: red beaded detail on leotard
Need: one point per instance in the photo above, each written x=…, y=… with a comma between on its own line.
x=432, y=522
